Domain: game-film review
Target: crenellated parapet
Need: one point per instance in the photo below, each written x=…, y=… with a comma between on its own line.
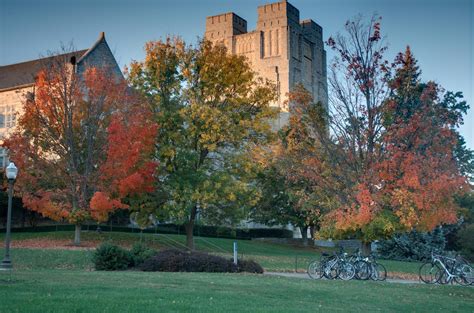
x=282, y=48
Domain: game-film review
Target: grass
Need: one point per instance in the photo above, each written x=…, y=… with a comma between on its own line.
x=57, y=280
x=272, y=256
x=50, y=259
x=42, y=290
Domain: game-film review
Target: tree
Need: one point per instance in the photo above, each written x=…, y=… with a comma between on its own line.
x=358, y=84
x=212, y=111
x=402, y=154
x=62, y=140
x=359, y=87
x=297, y=173
x=127, y=177
x=414, y=182
x=420, y=170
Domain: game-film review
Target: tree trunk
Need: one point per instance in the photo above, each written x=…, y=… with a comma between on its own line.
x=304, y=235
x=312, y=231
x=23, y=217
x=366, y=248
x=189, y=227
x=304, y=232
x=77, y=235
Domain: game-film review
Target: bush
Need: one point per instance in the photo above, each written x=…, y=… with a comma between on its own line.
x=466, y=241
x=139, y=253
x=110, y=257
x=249, y=266
x=174, y=260
x=413, y=246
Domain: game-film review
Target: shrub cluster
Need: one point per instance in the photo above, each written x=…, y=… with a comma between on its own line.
x=110, y=257
x=413, y=246
x=249, y=266
x=139, y=253
x=174, y=260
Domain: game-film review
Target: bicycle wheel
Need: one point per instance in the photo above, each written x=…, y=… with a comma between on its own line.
x=331, y=272
x=379, y=272
x=314, y=269
x=429, y=273
x=362, y=270
x=464, y=274
x=346, y=271
x=330, y=269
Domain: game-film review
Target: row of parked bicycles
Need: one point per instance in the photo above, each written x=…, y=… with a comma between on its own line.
x=343, y=266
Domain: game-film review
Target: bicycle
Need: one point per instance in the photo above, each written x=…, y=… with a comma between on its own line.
x=377, y=271
x=331, y=267
x=445, y=270
x=361, y=265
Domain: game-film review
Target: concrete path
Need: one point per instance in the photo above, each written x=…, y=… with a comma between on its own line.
x=305, y=276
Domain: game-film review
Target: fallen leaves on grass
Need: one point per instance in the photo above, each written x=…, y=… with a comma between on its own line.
x=400, y=275
x=62, y=244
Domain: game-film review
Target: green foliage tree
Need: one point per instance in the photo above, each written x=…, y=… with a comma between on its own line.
x=212, y=111
x=298, y=179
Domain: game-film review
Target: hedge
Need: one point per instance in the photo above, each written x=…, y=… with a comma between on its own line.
x=175, y=260
x=199, y=230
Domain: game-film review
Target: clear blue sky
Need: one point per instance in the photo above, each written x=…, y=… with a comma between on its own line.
x=440, y=32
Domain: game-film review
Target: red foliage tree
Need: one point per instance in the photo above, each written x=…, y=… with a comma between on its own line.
x=413, y=183
x=129, y=170
x=64, y=140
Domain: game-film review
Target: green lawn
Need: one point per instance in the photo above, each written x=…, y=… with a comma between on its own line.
x=75, y=290
x=50, y=280
x=273, y=257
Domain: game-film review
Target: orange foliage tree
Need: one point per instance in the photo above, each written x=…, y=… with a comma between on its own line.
x=66, y=145
x=413, y=183
x=129, y=170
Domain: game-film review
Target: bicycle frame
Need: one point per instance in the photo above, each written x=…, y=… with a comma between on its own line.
x=438, y=259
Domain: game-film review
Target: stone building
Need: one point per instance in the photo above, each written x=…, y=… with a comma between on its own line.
x=17, y=81
x=282, y=49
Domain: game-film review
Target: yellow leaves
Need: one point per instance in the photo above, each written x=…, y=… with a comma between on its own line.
x=231, y=197
x=405, y=208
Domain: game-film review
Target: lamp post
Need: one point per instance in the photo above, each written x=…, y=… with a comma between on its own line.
x=11, y=172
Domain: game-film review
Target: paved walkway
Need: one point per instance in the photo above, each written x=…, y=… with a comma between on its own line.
x=305, y=276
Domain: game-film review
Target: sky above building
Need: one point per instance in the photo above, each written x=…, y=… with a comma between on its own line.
x=440, y=32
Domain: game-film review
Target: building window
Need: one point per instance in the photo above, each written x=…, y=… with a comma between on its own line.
x=269, y=43
x=7, y=116
x=3, y=158
x=10, y=120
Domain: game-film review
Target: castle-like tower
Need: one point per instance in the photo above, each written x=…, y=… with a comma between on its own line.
x=282, y=49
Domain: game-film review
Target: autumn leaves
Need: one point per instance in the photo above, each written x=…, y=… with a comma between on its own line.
x=187, y=136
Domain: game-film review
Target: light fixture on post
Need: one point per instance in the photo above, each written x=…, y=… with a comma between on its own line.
x=11, y=172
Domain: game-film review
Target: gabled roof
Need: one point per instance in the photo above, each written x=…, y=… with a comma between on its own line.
x=24, y=74
x=88, y=51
